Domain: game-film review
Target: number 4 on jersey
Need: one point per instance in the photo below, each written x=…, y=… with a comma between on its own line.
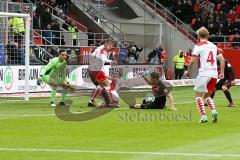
x=210, y=58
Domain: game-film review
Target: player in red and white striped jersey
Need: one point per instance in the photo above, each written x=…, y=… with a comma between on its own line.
x=208, y=55
x=97, y=59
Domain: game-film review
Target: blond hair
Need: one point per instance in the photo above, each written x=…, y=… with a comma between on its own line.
x=203, y=32
x=110, y=41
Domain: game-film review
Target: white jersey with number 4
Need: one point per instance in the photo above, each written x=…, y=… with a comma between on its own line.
x=208, y=54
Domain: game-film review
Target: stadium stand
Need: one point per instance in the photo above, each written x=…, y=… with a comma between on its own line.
x=213, y=14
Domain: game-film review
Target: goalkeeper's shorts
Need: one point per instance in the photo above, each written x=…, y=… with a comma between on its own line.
x=52, y=81
x=158, y=103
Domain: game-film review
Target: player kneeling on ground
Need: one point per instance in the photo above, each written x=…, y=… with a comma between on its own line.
x=114, y=92
x=157, y=99
x=54, y=74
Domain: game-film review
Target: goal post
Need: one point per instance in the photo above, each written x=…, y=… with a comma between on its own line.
x=15, y=32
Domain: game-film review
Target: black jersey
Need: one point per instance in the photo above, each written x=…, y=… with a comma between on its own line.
x=228, y=71
x=160, y=89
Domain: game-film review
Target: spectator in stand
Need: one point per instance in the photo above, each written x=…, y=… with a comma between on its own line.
x=230, y=27
x=220, y=34
x=188, y=11
x=212, y=29
x=179, y=10
x=206, y=7
x=236, y=42
x=53, y=51
x=40, y=10
x=133, y=53
x=53, y=3
x=179, y=61
x=36, y=21
x=236, y=26
x=74, y=33
x=225, y=7
x=56, y=32
x=238, y=9
x=46, y=19
x=90, y=38
x=47, y=34
x=155, y=56
x=66, y=24
x=197, y=24
x=197, y=8
x=63, y=5
x=18, y=27
x=232, y=15
x=187, y=58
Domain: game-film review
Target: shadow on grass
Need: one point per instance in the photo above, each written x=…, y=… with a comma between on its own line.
x=64, y=113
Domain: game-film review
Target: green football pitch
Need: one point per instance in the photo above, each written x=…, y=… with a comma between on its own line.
x=35, y=131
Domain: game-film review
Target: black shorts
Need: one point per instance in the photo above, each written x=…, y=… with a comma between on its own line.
x=159, y=103
x=221, y=83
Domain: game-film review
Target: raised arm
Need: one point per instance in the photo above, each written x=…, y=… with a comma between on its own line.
x=147, y=80
x=193, y=59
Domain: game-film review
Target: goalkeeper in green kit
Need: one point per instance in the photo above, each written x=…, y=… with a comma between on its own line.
x=54, y=74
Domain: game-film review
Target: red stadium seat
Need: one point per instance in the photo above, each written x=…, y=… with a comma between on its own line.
x=229, y=45
x=231, y=37
x=220, y=45
x=37, y=39
x=238, y=9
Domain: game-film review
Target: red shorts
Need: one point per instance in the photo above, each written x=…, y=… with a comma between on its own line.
x=97, y=76
x=211, y=85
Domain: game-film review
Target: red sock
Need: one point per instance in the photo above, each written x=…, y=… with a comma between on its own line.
x=95, y=92
x=210, y=103
x=200, y=106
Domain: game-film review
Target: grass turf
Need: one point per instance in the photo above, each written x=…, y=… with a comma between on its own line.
x=125, y=132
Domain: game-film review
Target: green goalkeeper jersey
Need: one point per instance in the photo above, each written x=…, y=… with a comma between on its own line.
x=55, y=69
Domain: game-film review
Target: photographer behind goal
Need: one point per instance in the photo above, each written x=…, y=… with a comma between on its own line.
x=156, y=99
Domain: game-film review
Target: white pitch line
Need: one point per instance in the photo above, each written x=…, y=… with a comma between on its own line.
x=119, y=152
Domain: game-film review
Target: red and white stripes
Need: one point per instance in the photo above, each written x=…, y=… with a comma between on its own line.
x=95, y=92
x=210, y=103
x=107, y=95
x=200, y=106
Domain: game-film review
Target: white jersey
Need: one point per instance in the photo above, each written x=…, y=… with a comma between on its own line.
x=98, y=58
x=208, y=54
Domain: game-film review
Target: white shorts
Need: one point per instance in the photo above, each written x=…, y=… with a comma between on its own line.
x=205, y=84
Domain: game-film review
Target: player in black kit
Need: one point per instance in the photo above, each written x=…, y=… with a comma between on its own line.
x=226, y=83
x=157, y=98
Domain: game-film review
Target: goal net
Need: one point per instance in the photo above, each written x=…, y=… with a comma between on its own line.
x=14, y=56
